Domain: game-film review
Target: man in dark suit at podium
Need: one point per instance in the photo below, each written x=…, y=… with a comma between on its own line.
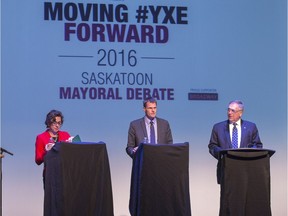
x=243, y=168
x=243, y=134
x=140, y=129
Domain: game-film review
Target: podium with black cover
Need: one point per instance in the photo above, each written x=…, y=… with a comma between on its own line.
x=245, y=182
x=77, y=180
x=160, y=180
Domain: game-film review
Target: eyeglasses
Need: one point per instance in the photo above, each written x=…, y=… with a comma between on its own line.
x=57, y=123
x=233, y=111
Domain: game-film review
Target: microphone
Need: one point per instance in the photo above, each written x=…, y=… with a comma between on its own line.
x=251, y=145
x=4, y=150
x=254, y=145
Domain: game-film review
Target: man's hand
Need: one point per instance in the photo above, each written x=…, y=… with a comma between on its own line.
x=135, y=149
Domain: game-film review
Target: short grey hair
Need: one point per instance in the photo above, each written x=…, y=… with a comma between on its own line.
x=239, y=102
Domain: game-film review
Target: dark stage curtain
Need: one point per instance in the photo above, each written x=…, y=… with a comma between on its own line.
x=77, y=180
x=160, y=181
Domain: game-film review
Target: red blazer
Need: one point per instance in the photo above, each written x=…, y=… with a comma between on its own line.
x=42, y=140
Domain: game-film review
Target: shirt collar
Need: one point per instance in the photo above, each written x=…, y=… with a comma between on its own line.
x=147, y=120
x=237, y=122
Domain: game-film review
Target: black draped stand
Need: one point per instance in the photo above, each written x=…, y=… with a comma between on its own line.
x=77, y=180
x=245, y=182
x=160, y=181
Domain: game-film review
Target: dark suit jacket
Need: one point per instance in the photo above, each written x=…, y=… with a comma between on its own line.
x=137, y=132
x=220, y=137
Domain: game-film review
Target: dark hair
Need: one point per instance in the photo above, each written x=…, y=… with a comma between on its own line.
x=51, y=117
x=150, y=100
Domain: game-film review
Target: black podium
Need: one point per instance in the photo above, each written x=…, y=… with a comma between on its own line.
x=245, y=182
x=77, y=180
x=160, y=181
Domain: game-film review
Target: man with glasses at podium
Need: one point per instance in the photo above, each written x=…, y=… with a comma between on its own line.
x=243, y=168
x=235, y=132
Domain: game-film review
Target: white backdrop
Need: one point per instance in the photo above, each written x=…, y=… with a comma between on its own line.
x=232, y=49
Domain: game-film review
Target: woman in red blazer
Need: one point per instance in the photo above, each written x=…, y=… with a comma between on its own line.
x=45, y=141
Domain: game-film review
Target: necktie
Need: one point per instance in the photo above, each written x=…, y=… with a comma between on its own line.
x=152, y=132
x=234, y=137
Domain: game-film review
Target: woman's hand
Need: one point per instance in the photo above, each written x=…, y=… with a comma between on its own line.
x=49, y=146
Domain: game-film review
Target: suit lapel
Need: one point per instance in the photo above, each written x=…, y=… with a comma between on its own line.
x=158, y=132
x=243, y=133
x=227, y=134
x=143, y=127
